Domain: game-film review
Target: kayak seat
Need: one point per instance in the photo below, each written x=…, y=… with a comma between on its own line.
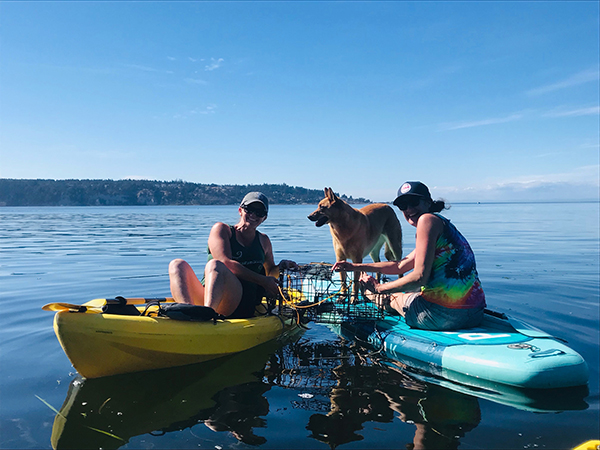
x=184, y=311
x=124, y=310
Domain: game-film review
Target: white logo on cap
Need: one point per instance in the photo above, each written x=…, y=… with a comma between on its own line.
x=405, y=188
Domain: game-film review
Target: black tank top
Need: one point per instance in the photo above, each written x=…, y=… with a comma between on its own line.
x=252, y=258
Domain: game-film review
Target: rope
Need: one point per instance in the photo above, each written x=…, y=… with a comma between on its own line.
x=292, y=305
x=289, y=302
x=298, y=296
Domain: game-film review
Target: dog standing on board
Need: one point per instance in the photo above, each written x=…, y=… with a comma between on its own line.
x=357, y=233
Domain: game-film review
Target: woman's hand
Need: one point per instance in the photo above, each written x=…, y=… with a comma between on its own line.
x=342, y=266
x=271, y=286
x=368, y=283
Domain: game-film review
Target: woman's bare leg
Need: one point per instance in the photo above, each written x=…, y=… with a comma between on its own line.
x=223, y=290
x=185, y=285
x=398, y=301
x=395, y=301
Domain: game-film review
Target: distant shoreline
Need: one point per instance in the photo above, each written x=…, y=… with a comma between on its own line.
x=300, y=204
x=46, y=192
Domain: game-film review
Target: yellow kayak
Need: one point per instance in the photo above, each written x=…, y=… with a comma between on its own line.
x=100, y=345
x=589, y=445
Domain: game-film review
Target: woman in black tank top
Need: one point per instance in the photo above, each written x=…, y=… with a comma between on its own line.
x=240, y=268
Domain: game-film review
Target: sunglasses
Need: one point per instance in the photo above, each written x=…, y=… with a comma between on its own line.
x=258, y=212
x=410, y=202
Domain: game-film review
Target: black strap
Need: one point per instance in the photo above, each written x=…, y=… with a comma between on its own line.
x=120, y=307
x=184, y=311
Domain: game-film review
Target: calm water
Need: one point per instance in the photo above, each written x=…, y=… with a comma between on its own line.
x=539, y=262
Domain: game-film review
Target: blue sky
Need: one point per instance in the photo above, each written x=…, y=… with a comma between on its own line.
x=480, y=100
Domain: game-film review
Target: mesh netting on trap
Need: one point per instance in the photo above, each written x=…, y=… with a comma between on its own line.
x=318, y=294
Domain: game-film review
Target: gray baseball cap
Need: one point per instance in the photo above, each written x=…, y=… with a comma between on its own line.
x=255, y=197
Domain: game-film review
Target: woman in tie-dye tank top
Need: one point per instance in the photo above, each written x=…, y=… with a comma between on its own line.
x=441, y=289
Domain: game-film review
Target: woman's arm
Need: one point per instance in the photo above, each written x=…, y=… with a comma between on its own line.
x=407, y=263
x=272, y=269
x=270, y=280
x=429, y=229
x=385, y=267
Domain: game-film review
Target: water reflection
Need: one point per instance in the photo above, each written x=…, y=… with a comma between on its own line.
x=362, y=386
x=225, y=394
x=241, y=409
x=342, y=385
x=363, y=390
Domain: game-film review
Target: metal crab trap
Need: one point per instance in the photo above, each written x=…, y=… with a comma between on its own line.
x=317, y=294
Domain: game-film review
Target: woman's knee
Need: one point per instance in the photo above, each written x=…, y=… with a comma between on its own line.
x=214, y=266
x=178, y=267
x=401, y=300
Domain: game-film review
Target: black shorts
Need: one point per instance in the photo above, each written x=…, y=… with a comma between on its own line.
x=252, y=295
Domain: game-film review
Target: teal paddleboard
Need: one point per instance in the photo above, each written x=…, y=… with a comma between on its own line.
x=501, y=350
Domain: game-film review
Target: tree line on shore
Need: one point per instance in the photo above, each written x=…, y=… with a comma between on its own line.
x=43, y=192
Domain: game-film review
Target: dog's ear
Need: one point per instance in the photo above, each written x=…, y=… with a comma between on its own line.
x=330, y=195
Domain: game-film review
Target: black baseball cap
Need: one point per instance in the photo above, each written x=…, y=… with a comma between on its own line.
x=414, y=189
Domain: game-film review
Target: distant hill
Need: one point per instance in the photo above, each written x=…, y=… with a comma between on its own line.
x=16, y=192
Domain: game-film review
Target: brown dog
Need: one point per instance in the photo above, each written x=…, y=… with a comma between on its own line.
x=358, y=233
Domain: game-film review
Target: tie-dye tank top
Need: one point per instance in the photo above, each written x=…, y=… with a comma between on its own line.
x=453, y=282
